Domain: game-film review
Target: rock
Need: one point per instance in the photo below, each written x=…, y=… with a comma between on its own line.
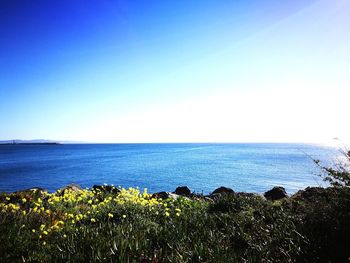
x=166, y=195
x=276, y=193
x=71, y=187
x=183, y=190
x=31, y=190
x=106, y=189
x=314, y=193
x=222, y=190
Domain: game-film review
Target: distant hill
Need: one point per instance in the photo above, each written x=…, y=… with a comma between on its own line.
x=38, y=141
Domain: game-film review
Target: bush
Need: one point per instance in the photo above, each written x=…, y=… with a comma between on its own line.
x=339, y=174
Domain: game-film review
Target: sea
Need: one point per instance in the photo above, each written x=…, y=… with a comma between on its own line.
x=249, y=167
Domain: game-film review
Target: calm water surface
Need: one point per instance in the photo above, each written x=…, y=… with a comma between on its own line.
x=162, y=167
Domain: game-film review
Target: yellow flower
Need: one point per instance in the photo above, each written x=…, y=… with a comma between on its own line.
x=177, y=214
x=178, y=210
x=24, y=213
x=167, y=214
x=24, y=200
x=45, y=232
x=65, y=236
x=110, y=215
x=8, y=198
x=42, y=227
x=93, y=220
x=33, y=230
x=90, y=202
x=124, y=216
x=44, y=243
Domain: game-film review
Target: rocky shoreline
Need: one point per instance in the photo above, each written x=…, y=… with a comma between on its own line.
x=274, y=194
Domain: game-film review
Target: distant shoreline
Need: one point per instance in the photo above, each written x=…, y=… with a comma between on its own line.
x=31, y=143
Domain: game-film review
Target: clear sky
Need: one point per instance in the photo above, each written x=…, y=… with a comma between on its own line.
x=175, y=71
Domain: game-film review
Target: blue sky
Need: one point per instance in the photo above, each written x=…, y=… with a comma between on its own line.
x=175, y=71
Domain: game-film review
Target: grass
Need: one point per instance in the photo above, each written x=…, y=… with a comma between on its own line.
x=129, y=225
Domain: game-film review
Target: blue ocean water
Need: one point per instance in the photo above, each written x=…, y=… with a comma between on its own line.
x=163, y=167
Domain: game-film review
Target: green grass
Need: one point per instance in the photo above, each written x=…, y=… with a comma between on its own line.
x=97, y=226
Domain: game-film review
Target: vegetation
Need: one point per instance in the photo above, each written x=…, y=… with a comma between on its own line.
x=109, y=224
x=339, y=174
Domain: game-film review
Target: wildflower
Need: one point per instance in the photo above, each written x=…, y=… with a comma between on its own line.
x=44, y=243
x=65, y=236
x=8, y=198
x=110, y=215
x=42, y=227
x=93, y=220
x=177, y=214
x=24, y=213
x=167, y=214
x=178, y=210
x=24, y=200
x=124, y=216
x=90, y=202
x=45, y=232
x=33, y=230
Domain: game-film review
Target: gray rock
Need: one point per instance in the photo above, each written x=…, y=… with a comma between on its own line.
x=31, y=190
x=71, y=187
x=222, y=190
x=276, y=193
x=166, y=195
x=183, y=190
